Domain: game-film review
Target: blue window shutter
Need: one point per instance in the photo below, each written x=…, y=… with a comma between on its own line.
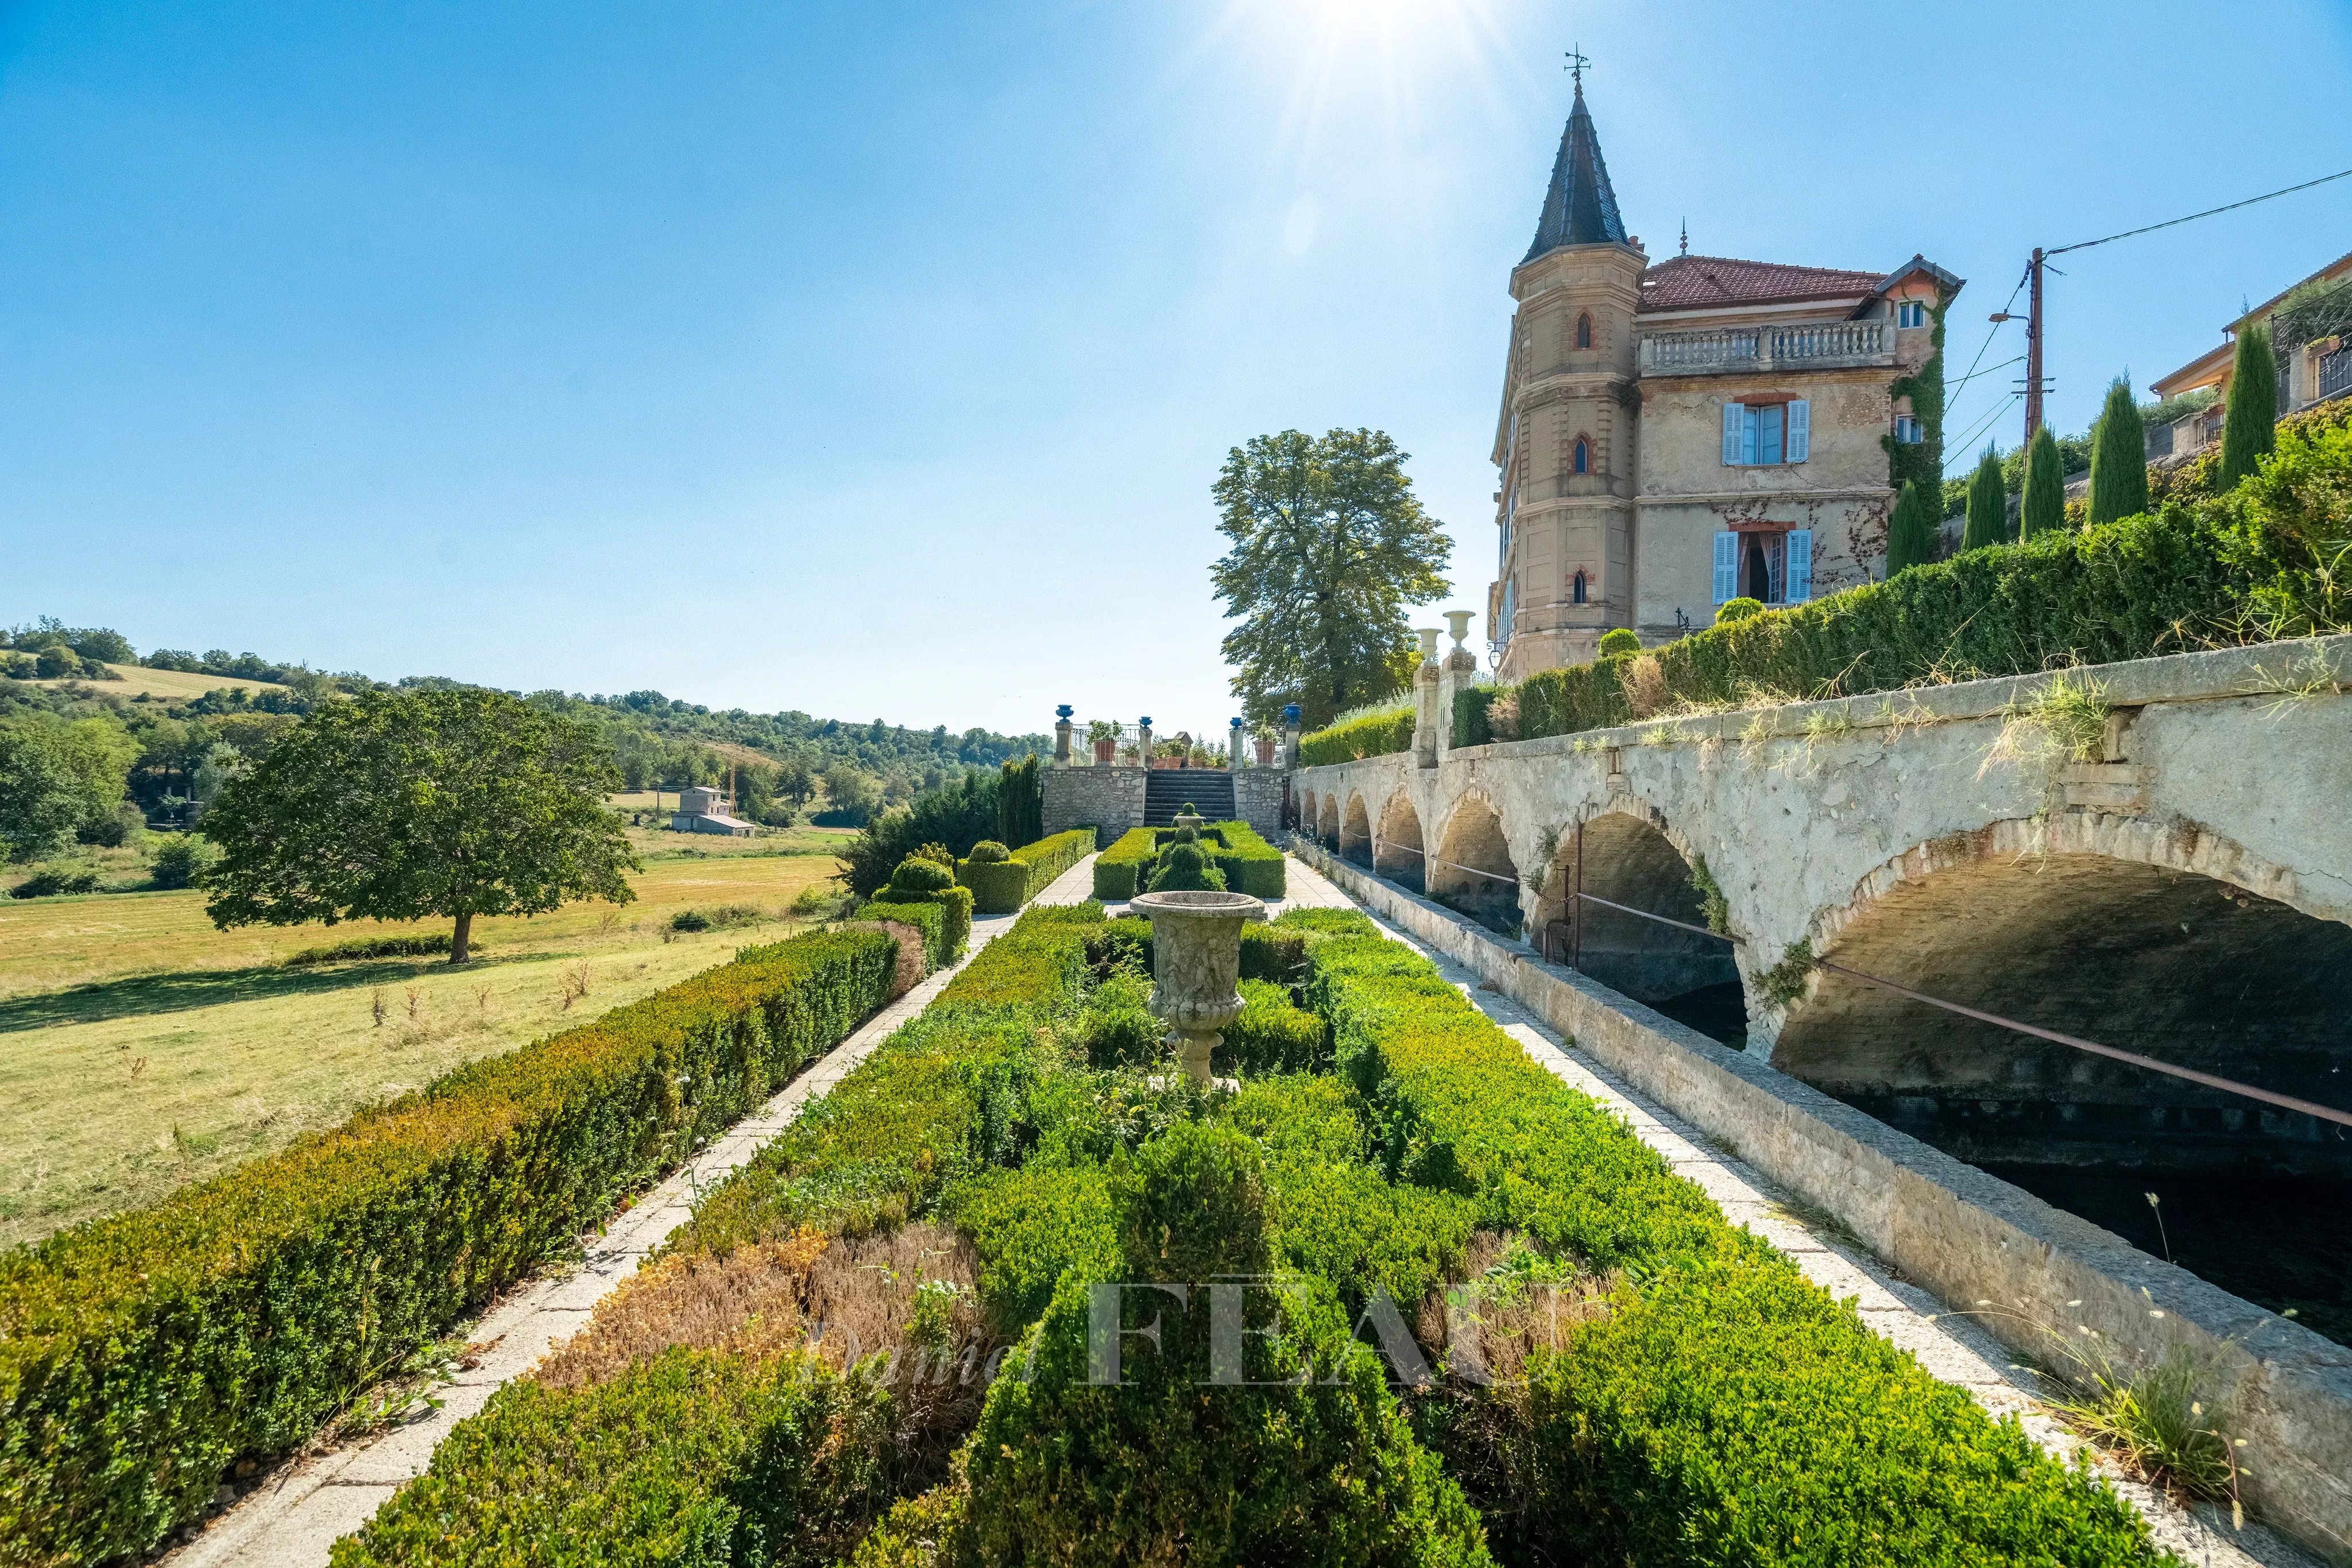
x=1733, y=423
x=1800, y=565
x=1727, y=567
x=1800, y=429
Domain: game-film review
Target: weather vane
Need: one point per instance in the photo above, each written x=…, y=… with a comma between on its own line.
x=1576, y=64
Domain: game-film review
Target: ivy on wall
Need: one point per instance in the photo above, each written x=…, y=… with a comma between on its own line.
x=1925, y=461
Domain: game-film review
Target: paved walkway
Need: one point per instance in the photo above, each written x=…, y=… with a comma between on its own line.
x=1950, y=1348
x=289, y=1521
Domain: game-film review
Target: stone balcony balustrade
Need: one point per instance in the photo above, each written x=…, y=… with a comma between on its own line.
x=1811, y=345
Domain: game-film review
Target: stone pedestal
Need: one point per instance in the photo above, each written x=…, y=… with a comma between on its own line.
x=1196, y=965
x=1425, y=700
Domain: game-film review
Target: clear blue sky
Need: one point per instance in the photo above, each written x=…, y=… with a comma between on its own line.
x=879, y=361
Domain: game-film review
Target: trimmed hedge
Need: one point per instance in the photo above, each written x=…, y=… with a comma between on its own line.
x=1002, y=887
x=1722, y=1409
x=143, y=1353
x=1373, y=735
x=1250, y=864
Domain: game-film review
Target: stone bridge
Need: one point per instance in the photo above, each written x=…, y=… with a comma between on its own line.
x=2185, y=892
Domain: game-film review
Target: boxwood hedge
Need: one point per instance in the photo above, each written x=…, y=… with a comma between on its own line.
x=1250, y=864
x=143, y=1353
x=1002, y=887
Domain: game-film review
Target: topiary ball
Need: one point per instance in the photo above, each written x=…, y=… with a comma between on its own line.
x=988, y=852
x=937, y=852
x=1619, y=640
x=1184, y=869
x=1733, y=609
x=1186, y=836
x=922, y=877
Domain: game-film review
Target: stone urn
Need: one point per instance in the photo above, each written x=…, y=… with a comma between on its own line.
x=1196, y=963
x=1193, y=819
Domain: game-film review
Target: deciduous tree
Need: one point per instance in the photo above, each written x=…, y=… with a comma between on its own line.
x=402, y=806
x=2118, y=457
x=2042, y=508
x=1329, y=546
x=2249, y=422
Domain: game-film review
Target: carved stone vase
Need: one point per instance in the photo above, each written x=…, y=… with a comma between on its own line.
x=1196, y=965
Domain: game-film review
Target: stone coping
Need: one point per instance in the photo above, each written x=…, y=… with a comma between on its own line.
x=2262, y=669
x=2014, y=1262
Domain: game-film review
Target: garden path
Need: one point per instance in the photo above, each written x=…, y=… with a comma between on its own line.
x=292, y=1519
x=1948, y=1345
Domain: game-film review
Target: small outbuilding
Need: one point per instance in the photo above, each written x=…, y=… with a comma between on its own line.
x=700, y=811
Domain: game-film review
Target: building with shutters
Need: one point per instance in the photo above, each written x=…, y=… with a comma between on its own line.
x=1673, y=436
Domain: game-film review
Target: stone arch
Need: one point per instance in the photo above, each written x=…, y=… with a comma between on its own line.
x=1633, y=856
x=1397, y=847
x=2166, y=940
x=1326, y=825
x=1356, y=831
x=1473, y=871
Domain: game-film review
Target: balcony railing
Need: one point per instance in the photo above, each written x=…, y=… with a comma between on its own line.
x=1821, y=345
x=2335, y=372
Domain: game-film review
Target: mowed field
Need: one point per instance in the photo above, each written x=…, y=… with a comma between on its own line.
x=140, y=1048
x=174, y=683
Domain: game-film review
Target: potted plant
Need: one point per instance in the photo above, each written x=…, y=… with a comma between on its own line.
x=1104, y=734
x=1264, y=738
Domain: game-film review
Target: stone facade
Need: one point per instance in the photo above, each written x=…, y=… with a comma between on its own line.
x=1675, y=435
x=1257, y=797
x=1111, y=798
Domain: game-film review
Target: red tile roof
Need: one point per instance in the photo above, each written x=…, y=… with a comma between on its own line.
x=1697, y=282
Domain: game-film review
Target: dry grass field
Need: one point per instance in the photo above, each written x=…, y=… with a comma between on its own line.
x=175, y=684
x=139, y=1048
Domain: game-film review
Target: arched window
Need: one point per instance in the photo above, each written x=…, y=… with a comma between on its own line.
x=1584, y=330
x=1580, y=587
x=1583, y=455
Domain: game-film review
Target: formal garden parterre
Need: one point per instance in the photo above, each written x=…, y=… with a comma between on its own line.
x=874, y=1344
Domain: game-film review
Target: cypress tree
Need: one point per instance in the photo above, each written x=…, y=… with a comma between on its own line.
x=1910, y=532
x=1987, y=505
x=2118, y=457
x=2044, y=508
x=2250, y=423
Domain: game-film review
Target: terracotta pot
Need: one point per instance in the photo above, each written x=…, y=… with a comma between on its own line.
x=1265, y=752
x=1105, y=751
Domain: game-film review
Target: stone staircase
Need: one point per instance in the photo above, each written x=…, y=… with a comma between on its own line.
x=1165, y=790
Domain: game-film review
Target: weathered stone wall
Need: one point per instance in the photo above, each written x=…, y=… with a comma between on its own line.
x=1110, y=799
x=1257, y=797
x=2188, y=896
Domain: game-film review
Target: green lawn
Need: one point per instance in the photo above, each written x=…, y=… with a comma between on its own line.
x=140, y=1048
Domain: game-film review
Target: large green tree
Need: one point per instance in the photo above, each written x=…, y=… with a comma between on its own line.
x=2043, y=508
x=1911, y=531
x=57, y=778
x=1987, y=522
x=2249, y=422
x=1329, y=546
x=409, y=805
x=2118, y=457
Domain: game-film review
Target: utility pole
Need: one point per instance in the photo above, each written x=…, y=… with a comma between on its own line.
x=2033, y=347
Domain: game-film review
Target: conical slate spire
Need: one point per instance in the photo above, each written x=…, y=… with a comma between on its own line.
x=1579, y=208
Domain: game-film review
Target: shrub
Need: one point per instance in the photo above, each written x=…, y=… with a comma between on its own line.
x=1987, y=518
x=2042, y=507
x=1619, y=640
x=1270, y=1035
x=2118, y=457
x=689, y=1460
x=956, y=815
x=1119, y=869
x=919, y=877
x=1184, y=869
x=1373, y=734
x=181, y=859
x=1003, y=885
x=53, y=883
x=944, y=918
x=1729, y=611
x=2249, y=424
x=1021, y=801
x=988, y=852
x=146, y=1352
x=1910, y=533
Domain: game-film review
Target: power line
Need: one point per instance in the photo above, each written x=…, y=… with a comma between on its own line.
x=2210, y=212
x=1989, y=369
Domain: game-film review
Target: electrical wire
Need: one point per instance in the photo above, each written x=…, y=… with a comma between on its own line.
x=2210, y=212
x=1989, y=369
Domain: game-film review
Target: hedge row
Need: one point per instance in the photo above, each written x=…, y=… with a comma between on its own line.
x=1372, y=735
x=141, y=1354
x=1002, y=887
x=944, y=918
x=1719, y=1408
x=1250, y=864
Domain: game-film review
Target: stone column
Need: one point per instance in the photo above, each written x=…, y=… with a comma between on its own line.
x=1290, y=736
x=1461, y=672
x=1234, y=749
x=1143, y=742
x=1062, y=736
x=1425, y=700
